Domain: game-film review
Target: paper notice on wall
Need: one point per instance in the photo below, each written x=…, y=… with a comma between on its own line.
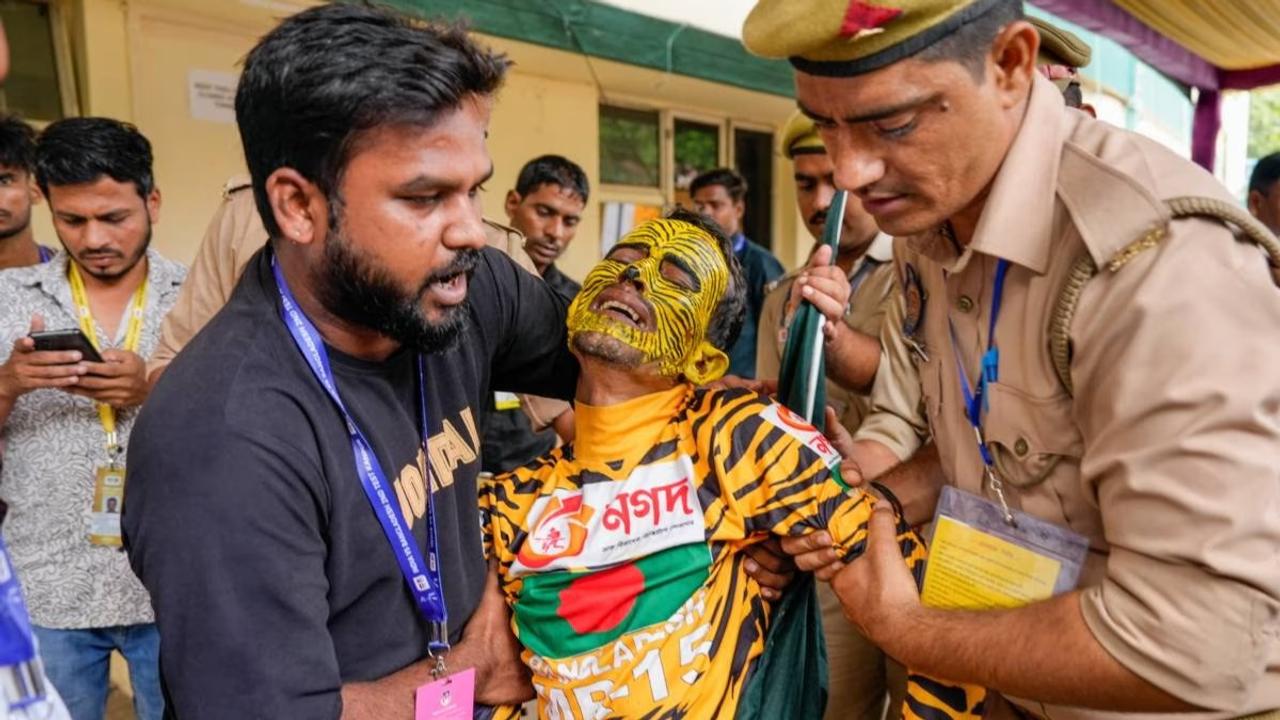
x=617, y=219
x=212, y=95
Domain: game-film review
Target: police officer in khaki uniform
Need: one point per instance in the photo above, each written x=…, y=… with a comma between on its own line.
x=861, y=288
x=234, y=234
x=1118, y=344
x=896, y=422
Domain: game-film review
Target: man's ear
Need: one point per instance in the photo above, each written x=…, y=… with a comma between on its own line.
x=1255, y=202
x=153, y=205
x=33, y=190
x=512, y=202
x=706, y=364
x=298, y=205
x=1013, y=60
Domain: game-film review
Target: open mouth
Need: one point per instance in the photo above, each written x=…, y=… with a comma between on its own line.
x=621, y=312
x=624, y=307
x=449, y=290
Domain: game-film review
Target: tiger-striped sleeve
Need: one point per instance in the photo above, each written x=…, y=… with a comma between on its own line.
x=504, y=501
x=486, y=483
x=778, y=475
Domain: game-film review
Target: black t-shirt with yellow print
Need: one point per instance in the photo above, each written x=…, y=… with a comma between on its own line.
x=270, y=575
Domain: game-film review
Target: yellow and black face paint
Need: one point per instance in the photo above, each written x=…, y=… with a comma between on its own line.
x=679, y=270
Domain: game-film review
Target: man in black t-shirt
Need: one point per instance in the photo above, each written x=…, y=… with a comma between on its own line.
x=277, y=592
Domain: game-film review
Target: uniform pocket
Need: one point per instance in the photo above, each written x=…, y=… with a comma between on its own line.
x=1027, y=435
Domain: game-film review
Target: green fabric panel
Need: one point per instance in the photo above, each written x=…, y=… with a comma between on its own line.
x=612, y=33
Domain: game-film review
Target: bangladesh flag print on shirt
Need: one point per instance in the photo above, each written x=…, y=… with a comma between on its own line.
x=566, y=613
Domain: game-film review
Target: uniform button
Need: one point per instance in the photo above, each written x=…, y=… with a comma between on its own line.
x=965, y=303
x=1020, y=447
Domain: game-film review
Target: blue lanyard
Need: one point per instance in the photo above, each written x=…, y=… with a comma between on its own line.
x=860, y=276
x=975, y=399
x=423, y=579
x=45, y=254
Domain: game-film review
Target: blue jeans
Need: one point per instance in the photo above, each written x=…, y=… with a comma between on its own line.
x=77, y=662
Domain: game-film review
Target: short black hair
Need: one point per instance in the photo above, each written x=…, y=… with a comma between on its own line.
x=971, y=42
x=325, y=76
x=17, y=144
x=726, y=321
x=1265, y=174
x=732, y=182
x=79, y=150
x=553, y=170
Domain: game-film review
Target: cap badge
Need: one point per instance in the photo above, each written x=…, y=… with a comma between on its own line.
x=861, y=19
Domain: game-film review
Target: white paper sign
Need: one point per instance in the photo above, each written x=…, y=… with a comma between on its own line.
x=212, y=95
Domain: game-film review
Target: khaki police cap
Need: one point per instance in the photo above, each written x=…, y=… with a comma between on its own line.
x=1060, y=47
x=842, y=38
x=800, y=137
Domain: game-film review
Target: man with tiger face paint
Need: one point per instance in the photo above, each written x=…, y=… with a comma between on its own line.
x=651, y=301
x=621, y=554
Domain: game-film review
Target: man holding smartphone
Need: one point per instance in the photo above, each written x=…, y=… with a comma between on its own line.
x=67, y=418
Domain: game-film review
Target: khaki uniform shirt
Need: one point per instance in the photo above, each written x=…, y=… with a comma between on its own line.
x=868, y=306
x=234, y=234
x=1167, y=458
x=895, y=417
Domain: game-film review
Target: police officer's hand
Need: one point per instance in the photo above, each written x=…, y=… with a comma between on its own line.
x=28, y=369
x=876, y=590
x=837, y=434
x=768, y=565
x=825, y=286
x=119, y=381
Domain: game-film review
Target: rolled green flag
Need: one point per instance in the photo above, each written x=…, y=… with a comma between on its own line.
x=790, y=679
x=802, y=384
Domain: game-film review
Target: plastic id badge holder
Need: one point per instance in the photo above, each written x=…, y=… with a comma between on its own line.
x=982, y=558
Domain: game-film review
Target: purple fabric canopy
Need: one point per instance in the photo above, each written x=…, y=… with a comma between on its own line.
x=1170, y=58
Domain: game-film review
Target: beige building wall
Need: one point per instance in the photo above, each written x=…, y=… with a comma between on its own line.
x=133, y=61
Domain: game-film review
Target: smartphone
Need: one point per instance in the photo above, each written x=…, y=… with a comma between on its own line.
x=69, y=339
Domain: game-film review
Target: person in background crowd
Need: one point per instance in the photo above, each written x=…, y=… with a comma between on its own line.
x=721, y=195
x=1138, y=461
x=1061, y=56
x=67, y=418
x=18, y=192
x=861, y=290
x=1264, y=192
x=376, y=311
x=545, y=206
x=53, y=708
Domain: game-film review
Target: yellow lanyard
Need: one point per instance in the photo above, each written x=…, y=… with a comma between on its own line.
x=132, y=338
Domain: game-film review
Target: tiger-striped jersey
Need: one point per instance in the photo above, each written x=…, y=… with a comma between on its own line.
x=620, y=554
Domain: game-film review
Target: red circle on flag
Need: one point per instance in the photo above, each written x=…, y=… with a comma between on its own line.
x=599, y=601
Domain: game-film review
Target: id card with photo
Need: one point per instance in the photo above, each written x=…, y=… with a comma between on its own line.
x=978, y=561
x=108, y=501
x=450, y=698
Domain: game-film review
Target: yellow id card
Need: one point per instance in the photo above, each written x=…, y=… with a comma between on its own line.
x=108, y=501
x=506, y=401
x=977, y=561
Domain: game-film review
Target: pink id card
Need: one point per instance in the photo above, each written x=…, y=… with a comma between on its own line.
x=450, y=698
